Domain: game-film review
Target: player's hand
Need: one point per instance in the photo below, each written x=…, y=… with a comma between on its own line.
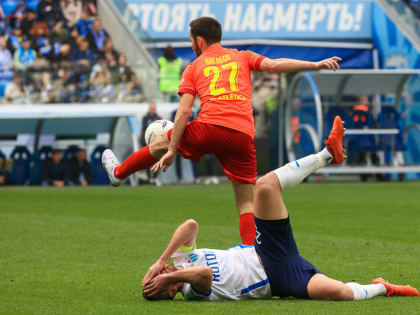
x=166, y=161
x=156, y=285
x=153, y=271
x=329, y=63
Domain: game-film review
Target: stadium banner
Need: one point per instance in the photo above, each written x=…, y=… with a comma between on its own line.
x=258, y=19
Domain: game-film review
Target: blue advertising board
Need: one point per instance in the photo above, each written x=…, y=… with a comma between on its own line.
x=258, y=19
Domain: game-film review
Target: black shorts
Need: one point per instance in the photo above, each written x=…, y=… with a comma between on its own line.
x=288, y=272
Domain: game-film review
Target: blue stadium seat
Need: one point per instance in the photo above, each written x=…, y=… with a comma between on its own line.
x=70, y=153
x=360, y=120
x=21, y=171
x=100, y=177
x=330, y=115
x=388, y=118
x=39, y=158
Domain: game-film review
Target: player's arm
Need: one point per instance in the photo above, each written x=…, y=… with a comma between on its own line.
x=184, y=235
x=181, y=119
x=201, y=278
x=295, y=65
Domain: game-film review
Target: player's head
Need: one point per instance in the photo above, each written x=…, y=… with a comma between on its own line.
x=152, y=108
x=204, y=32
x=167, y=292
x=81, y=155
x=57, y=156
x=169, y=53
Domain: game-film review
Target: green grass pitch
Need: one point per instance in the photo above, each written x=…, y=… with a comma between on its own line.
x=85, y=250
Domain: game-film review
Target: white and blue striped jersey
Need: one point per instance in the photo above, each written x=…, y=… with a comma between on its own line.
x=237, y=273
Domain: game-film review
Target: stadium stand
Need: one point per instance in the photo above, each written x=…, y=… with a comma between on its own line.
x=414, y=5
x=61, y=54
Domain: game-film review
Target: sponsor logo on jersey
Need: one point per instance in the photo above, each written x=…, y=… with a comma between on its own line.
x=192, y=258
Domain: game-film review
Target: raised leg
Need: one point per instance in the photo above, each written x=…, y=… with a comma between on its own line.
x=268, y=196
x=143, y=158
x=269, y=203
x=139, y=160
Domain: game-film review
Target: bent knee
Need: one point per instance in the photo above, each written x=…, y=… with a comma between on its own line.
x=267, y=185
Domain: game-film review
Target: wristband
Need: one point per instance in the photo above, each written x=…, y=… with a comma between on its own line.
x=188, y=248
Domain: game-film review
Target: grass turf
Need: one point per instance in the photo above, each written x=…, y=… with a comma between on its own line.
x=85, y=250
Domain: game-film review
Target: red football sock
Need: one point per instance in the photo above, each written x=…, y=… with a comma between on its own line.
x=247, y=228
x=139, y=160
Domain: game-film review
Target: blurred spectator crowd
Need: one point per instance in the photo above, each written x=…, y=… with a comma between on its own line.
x=56, y=51
x=405, y=9
x=414, y=5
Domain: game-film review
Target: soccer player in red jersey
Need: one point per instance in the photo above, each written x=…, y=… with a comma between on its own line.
x=225, y=126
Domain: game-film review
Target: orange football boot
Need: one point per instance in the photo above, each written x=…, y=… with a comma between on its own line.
x=397, y=290
x=334, y=143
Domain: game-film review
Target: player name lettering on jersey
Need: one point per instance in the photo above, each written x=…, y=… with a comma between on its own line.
x=211, y=260
x=221, y=77
x=218, y=60
x=234, y=271
x=229, y=97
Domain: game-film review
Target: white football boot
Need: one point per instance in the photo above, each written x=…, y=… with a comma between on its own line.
x=110, y=162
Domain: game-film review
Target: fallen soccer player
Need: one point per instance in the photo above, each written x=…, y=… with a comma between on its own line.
x=273, y=267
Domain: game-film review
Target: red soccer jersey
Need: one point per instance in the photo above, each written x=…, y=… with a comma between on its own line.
x=222, y=79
